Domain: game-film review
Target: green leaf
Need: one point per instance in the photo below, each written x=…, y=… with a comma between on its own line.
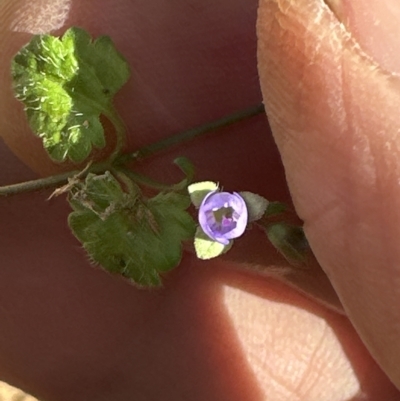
x=275, y=208
x=289, y=240
x=199, y=190
x=126, y=234
x=187, y=168
x=66, y=84
x=256, y=205
x=206, y=248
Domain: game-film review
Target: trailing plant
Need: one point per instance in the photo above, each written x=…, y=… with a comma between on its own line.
x=66, y=85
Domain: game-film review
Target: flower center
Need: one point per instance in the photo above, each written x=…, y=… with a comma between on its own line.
x=222, y=220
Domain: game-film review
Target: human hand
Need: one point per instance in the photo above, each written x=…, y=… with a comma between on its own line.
x=330, y=79
x=71, y=331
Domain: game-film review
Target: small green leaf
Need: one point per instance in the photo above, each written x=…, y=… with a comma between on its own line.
x=206, y=248
x=98, y=193
x=256, y=205
x=199, y=190
x=289, y=240
x=65, y=84
x=275, y=208
x=187, y=168
x=126, y=234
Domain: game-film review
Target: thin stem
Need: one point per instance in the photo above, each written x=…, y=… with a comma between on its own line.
x=146, y=151
x=190, y=134
x=120, y=132
x=146, y=181
x=50, y=182
x=131, y=185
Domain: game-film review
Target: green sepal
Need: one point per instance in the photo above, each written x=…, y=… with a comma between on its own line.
x=127, y=234
x=66, y=84
x=199, y=190
x=289, y=240
x=206, y=248
x=256, y=205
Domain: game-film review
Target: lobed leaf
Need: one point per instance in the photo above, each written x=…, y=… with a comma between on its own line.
x=126, y=234
x=66, y=84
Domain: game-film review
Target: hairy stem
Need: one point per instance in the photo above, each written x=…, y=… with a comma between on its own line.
x=146, y=151
x=50, y=182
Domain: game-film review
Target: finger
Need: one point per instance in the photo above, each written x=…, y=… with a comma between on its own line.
x=332, y=95
x=301, y=351
x=179, y=80
x=92, y=336
x=68, y=329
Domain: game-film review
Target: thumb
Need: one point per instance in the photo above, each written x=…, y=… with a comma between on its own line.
x=332, y=94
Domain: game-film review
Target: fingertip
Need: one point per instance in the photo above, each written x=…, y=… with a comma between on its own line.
x=332, y=110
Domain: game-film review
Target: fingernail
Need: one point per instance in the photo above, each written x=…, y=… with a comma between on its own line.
x=375, y=25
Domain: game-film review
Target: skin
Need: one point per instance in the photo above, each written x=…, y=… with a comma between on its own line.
x=214, y=331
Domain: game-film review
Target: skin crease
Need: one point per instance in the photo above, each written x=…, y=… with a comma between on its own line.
x=341, y=153
x=71, y=331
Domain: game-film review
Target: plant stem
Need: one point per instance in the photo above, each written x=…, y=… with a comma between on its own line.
x=146, y=181
x=120, y=132
x=190, y=134
x=130, y=185
x=146, y=151
x=50, y=182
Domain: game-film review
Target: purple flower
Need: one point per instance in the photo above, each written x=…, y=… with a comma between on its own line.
x=223, y=216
